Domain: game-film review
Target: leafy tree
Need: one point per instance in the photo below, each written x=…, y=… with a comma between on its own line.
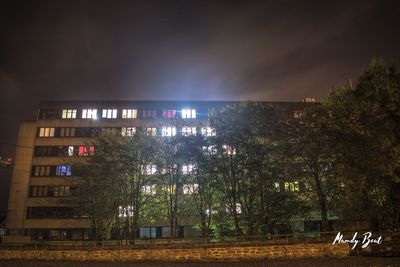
x=364, y=125
x=109, y=184
x=308, y=157
x=170, y=180
x=200, y=182
x=95, y=186
x=247, y=166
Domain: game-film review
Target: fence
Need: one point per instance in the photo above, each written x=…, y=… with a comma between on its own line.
x=296, y=238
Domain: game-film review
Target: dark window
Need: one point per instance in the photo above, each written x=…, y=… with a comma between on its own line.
x=148, y=114
x=49, y=114
x=148, y=232
x=67, y=132
x=50, y=213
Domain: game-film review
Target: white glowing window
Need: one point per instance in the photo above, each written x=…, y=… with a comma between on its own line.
x=277, y=187
x=109, y=113
x=168, y=131
x=68, y=114
x=188, y=113
x=128, y=131
x=208, y=211
x=151, y=131
x=149, y=169
x=149, y=189
x=188, y=169
x=46, y=132
x=207, y=131
x=238, y=207
x=89, y=113
x=187, y=131
x=129, y=113
x=125, y=212
x=292, y=186
x=189, y=189
x=212, y=150
x=70, y=151
x=228, y=150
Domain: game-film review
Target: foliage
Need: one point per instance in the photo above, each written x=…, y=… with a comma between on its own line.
x=364, y=125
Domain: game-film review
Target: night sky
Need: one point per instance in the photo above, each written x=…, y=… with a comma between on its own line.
x=184, y=50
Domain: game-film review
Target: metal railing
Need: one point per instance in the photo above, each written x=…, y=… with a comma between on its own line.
x=258, y=240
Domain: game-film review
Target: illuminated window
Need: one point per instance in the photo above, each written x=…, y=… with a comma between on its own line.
x=129, y=113
x=309, y=100
x=187, y=131
x=297, y=114
x=151, y=131
x=207, y=131
x=149, y=114
x=238, y=209
x=85, y=151
x=89, y=114
x=68, y=114
x=212, y=150
x=109, y=113
x=168, y=131
x=277, y=187
x=149, y=189
x=171, y=170
x=169, y=113
x=63, y=170
x=125, y=212
x=70, y=151
x=228, y=150
x=189, y=189
x=188, y=113
x=49, y=191
x=292, y=186
x=128, y=131
x=41, y=171
x=208, y=212
x=67, y=132
x=149, y=169
x=188, y=169
x=46, y=132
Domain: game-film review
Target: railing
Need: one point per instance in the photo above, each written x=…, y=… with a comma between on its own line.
x=299, y=238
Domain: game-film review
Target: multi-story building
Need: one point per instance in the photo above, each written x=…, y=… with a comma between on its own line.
x=62, y=129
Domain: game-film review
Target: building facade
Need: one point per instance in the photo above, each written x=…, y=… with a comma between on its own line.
x=62, y=130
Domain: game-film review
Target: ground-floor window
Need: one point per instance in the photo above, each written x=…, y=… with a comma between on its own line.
x=58, y=234
x=148, y=232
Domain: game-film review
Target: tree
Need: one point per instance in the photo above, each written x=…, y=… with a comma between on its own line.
x=109, y=184
x=247, y=166
x=364, y=125
x=95, y=186
x=136, y=187
x=308, y=155
x=170, y=179
x=200, y=181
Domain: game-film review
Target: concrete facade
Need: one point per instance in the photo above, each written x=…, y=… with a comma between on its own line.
x=25, y=176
